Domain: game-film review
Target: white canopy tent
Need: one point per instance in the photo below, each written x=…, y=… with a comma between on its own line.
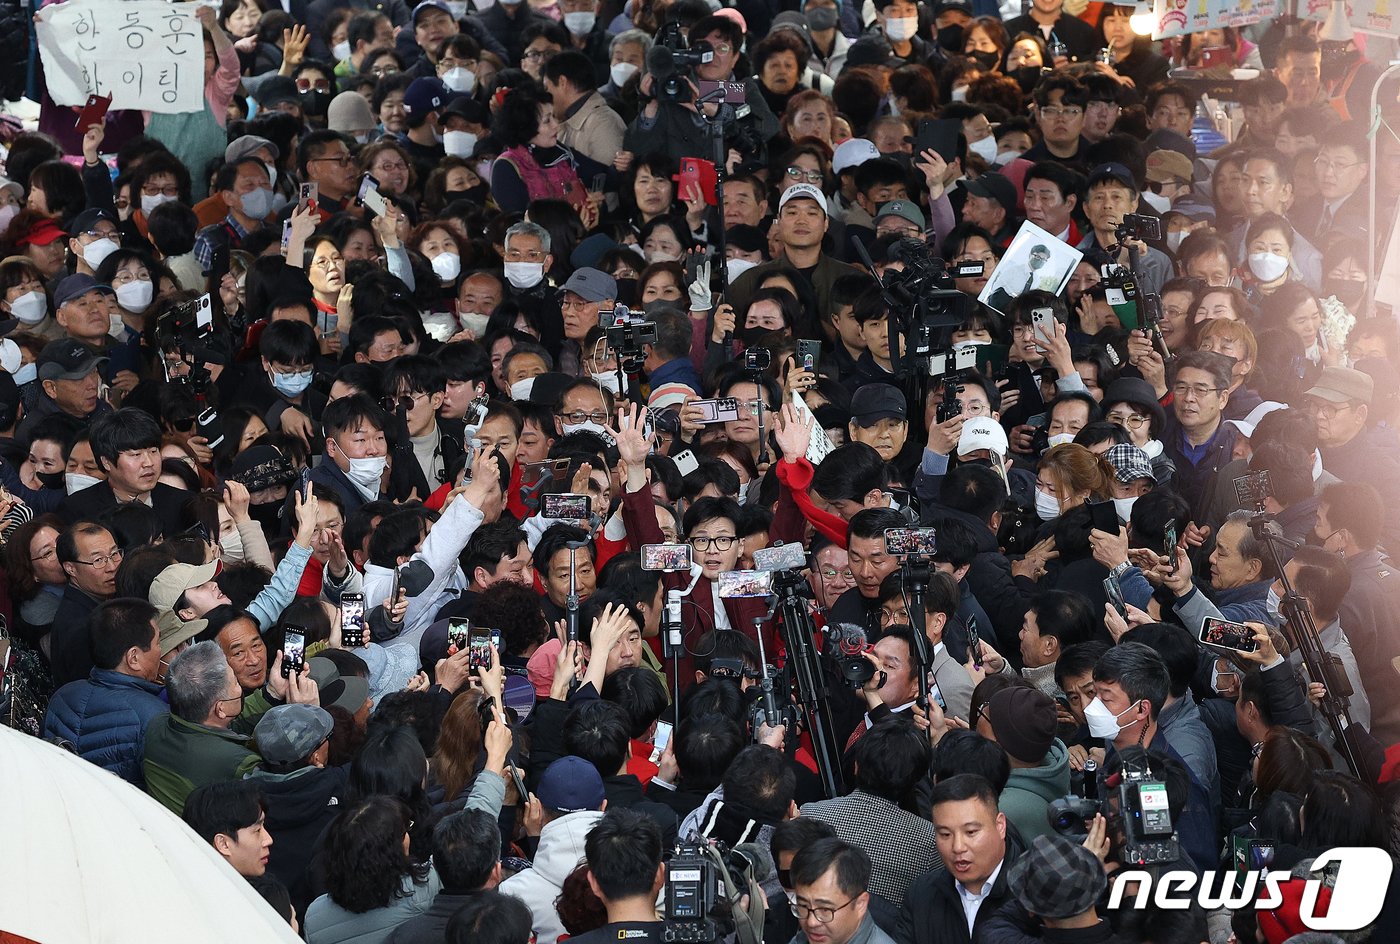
x=86, y=858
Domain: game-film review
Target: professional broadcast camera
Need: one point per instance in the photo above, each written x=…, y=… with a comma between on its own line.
x=1138, y=815
x=627, y=332
x=705, y=881
x=671, y=64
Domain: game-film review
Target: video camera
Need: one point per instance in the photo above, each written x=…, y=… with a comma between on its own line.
x=1135, y=226
x=847, y=644
x=627, y=332
x=924, y=304
x=1138, y=815
x=705, y=880
x=672, y=61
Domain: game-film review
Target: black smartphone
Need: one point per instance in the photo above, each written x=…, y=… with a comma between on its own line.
x=293, y=650
x=1169, y=543
x=519, y=782
x=352, y=619
x=1104, y=516
x=1114, y=592
x=486, y=710
x=938, y=134
x=211, y=427
x=974, y=643
x=809, y=354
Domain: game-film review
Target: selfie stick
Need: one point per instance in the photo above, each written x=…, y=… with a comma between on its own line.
x=771, y=714
x=760, y=403
x=714, y=127
x=915, y=575
x=571, y=602
x=1316, y=659
x=793, y=591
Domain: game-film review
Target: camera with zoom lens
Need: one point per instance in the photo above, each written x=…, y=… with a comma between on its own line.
x=672, y=61
x=1136, y=226
x=847, y=642
x=698, y=908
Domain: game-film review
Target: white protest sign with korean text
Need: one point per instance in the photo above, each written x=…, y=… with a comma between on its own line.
x=146, y=54
x=1179, y=17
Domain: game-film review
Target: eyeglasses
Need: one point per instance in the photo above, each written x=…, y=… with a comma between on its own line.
x=344, y=160
x=390, y=168
x=46, y=555
x=888, y=616
x=381, y=71
x=1132, y=421
x=582, y=416
x=124, y=278
x=100, y=233
x=723, y=49
x=545, y=54
x=1197, y=391
x=802, y=173
x=112, y=560
x=823, y=915
x=1333, y=167
x=829, y=574
x=533, y=255
x=1327, y=411
x=318, y=85
x=1157, y=186
x=1060, y=111
x=152, y=190
x=722, y=542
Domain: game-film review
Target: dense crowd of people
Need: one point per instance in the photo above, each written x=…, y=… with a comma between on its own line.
x=340, y=420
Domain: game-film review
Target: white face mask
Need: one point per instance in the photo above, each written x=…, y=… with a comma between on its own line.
x=483, y=170
x=520, y=390
x=1124, y=507
x=458, y=143
x=271, y=174
x=737, y=267
x=1174, y=239
x=10, y=212
x=31, y=307
x=116, y=328
x=9, y=356
x=447, y=266
x=1156, y=201
x=657, y=255
x=27, y=373
x=524, y=274
x=607, y=379
x=136, y=296
x=1006, y=157
x=1273, y=606
x=960, y=93
x=901, y=27
x=1059, y=439
x=98, y=250
x=1267, y=266
x=580, y=24
x=76, y=482
x=1103, y=723
x=341, y=50
x=588, y=427
x=1046, y=506
x=459, y=79
x=620, y=72
x=473, y=321
x=985, y=149
x=231, y=546
x=149, y=203
x=365, y=473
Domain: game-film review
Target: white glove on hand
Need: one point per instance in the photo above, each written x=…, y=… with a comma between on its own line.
x=700, y=297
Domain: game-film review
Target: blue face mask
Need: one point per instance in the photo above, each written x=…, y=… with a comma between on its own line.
x=290, y=385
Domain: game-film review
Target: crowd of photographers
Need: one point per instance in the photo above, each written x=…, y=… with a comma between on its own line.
x=340, y=421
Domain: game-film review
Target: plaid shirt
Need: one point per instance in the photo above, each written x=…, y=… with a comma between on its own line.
x=211, y=237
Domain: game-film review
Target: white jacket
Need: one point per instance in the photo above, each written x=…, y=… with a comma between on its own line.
x=559, y=853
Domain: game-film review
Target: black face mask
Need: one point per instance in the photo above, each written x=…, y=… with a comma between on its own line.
x=987, y=60
x=475, y=194
x=1349, y=292
x=50, y=479
x=951, y=38
x=1027, y=77
x=268, y=515
x=315, y=103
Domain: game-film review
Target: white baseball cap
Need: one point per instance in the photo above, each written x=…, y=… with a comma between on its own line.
x=799, y=191
x=1246, y=425
x=982, y=432
x=853, y=152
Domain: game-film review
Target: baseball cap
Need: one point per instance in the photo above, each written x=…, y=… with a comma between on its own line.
x=289, y=733
x=468, y=109
x=176, y=579
x=803, y=191
x=947, y=5
x=430, y=5
x=247, y=145
x=746, y=238
x=1129, y=463
x=734, y=15
x=853, y=152
x=1342, y=385
x=994, y=187
x=904, y=209
x=1194, y=210
x=793, y=21
x=423, y=95
x=1056, y=878
x=76, y=286
x=90, y=217
x=67, y=359
x=1115, y=172
x=1165, y=166
x=344, y=691
x=277, y=90
x=981, y=432
x=15, y=187
x=1023, y=720
x=570, y=785
x=41, y=233
x=174, y=631
x=874, y=402
x=591, y=285
x=868, y=51
x=1246, y=425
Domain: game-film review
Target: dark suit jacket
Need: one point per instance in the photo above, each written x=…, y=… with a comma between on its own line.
x=70, y=653
x=1351, y=218
x=933, y=911
x=96, y=500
